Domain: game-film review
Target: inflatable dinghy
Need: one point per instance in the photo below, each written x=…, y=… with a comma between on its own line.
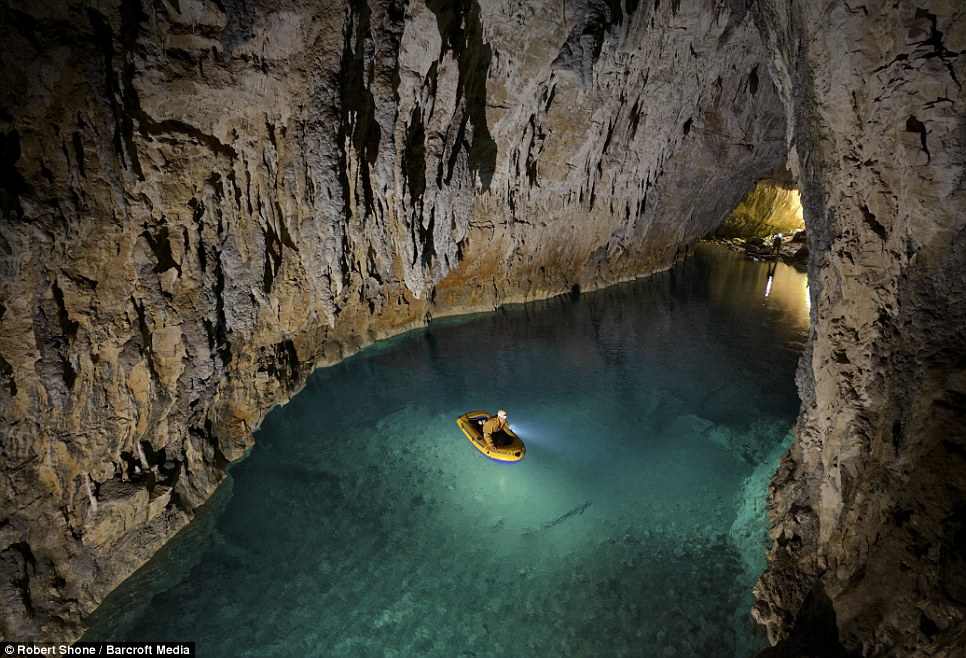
x=508, y=446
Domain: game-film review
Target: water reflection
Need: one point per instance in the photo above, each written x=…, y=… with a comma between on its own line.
x=771, y=277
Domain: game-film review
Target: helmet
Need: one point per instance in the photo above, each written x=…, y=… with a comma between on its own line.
x=501, y=413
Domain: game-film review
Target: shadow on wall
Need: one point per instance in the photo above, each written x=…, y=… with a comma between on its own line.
x=815, y=632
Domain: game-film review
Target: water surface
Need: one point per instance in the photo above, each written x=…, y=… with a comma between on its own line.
x=364, y=524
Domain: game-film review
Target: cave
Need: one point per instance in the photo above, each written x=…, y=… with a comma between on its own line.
x=204, y=201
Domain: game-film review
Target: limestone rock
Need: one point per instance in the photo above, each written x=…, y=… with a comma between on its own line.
x=202, y=200
x=868, y=507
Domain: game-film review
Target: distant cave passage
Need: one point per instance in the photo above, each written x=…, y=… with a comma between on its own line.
x=771, y=207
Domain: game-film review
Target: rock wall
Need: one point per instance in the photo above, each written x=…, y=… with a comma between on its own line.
x=869, y=507
x=204, y=199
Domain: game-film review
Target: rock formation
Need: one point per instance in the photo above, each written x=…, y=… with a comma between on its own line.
x=869, y=507
x=204, y=199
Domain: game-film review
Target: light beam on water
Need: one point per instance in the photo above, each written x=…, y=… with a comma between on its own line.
x=364, y=524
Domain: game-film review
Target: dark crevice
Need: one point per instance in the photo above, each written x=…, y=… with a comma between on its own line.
x=914, y=125
x=282, y=363
x=133, y=471
x=283, y=233
x=635, y=117
x=12, y=183
x=273, y=257
x=145, y=336
x=129, y=106
x=248, y=192
x=936, y=41
x=898, y=58
x=815, y=632
x=414, y=156
x=78, y=152
x=176, y=502
x=68, y=329
x=870, y=220
x=6, y=370
x=68, y=326
x=551, y=94
x=900, y=516
x=197, y=212
x=358, y=122
x=271, y=135
x=161, y=248
x=608, y=137
x=221, y=325
x=426, y=238
x=531, y=164
x=753, y=81
x=235, y=188
x=460, y=27
x=23, y=582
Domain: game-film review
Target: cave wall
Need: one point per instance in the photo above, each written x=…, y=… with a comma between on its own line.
x=204, y=199
x=869, y=507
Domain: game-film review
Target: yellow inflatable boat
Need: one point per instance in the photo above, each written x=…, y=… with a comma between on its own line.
x=508, y=446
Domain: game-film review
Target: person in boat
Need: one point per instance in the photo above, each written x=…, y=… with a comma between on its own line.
x=492, y=425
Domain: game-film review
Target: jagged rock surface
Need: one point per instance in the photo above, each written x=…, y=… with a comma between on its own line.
x=869, y=506
x=203, y=200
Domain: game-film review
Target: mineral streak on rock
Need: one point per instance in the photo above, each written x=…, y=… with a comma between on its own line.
x=203, y=200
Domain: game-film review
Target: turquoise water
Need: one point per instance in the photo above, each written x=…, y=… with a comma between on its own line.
x=363, y=523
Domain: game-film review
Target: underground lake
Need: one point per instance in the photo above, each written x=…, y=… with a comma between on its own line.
x=363, y=523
